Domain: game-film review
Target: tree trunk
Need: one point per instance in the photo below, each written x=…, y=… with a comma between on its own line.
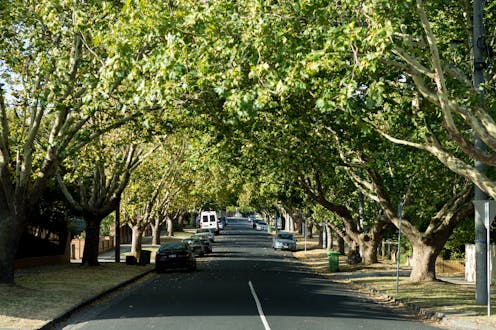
x=11, y=229
x=329, y=237
x=137, y=239
x=92, y=241
x=424, y=262
x=369, y=251
x=156, y=229
x=181, y=220
x=170, y=227
x=310, y=230
x=321, y=236
x=340, y=244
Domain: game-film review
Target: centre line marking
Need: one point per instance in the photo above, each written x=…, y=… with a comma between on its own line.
x=259, y=307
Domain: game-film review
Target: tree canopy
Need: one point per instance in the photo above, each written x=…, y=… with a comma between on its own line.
x=353, y=105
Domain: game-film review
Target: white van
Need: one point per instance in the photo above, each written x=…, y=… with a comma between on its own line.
x=208, y=219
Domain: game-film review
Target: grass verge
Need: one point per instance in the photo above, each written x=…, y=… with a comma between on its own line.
x=43, y=293
x=439, y=298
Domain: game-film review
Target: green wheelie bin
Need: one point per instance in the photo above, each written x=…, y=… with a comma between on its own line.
x=333, y=261
x=144, y=258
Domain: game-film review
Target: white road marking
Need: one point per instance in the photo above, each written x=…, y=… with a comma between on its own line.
x=259, y=307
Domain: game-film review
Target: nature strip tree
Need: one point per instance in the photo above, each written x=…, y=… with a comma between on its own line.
x=59, y=68
x=427, y=244
x=99, y=190
x=155, y=187
x=430, y=211
x=367, y=241
x=427, y=227
x=333, y=228
x=141, y=203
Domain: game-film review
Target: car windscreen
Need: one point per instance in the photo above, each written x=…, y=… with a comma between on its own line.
x=285, y=236
x=171, y=247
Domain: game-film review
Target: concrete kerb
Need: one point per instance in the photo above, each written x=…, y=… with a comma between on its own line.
x=421, y=313
x=50, y=324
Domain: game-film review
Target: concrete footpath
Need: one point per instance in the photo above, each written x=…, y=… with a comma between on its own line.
x=467, y=321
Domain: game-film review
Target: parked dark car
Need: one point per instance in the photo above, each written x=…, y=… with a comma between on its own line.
x=175, y=256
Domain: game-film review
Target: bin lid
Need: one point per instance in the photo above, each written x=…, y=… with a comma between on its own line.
x=333, y=253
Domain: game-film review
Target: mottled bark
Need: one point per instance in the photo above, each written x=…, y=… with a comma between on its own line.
x=368, y=251
x=170, y=227
x=424, y=261
x=329, y=237
x=428, y=244
x=137, y=239
x=156, y=229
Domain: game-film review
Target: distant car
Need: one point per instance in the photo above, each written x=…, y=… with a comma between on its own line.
x=210, y=232
x=204, y=240
x=197, y=245
x=254, y=223
x=251, y=218
x=284, y=241
x=222, y=223
x=261, y=225
x=174, y=256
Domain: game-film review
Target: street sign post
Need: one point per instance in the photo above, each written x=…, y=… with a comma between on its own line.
x=400, y=212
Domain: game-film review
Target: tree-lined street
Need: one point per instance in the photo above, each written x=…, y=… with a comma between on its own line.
x=361, y=121
x=221, y=295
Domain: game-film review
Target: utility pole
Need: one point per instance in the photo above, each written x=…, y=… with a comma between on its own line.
x=117, y=238
x=481, y=265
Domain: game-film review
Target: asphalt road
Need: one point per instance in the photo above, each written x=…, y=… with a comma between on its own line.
x=244, y=284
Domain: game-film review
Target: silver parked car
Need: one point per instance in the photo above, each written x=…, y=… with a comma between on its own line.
x=210, y=232
x=284, y=241
x=197, y=245
x=261, y=225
